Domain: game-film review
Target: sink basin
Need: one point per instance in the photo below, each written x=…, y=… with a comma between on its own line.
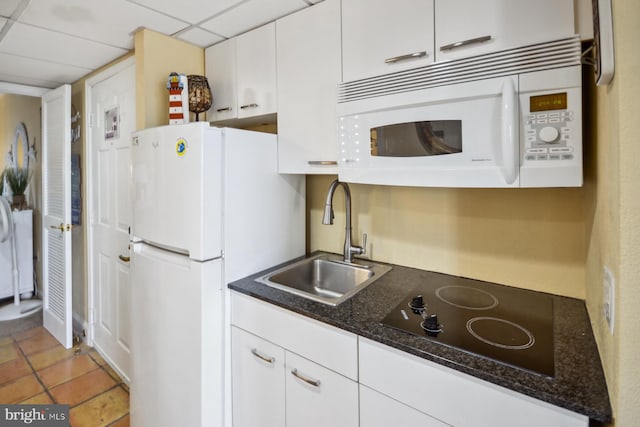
x=325, y=278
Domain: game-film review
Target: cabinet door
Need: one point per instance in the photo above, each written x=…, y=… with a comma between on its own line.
x=308, y=58
x=378, y=410
x=256, y=65
x=318, y=397
x=470, y=27
x=382, y=36
x=220, y=66
x=257, y=375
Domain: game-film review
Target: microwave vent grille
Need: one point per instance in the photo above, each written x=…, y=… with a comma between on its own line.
x=537, y=57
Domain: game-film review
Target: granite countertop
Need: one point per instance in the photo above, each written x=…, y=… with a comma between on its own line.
x=578, y=385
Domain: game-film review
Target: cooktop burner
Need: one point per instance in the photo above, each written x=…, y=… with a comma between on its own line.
x=509, y=325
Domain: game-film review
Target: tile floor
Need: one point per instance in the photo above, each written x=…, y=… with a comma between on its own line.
x=35, y=368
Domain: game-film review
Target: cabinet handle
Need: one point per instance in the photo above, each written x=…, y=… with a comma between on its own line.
x=242, y=107
x=322, y=162
x=315, y=383
x=267, y=359
x=220, y=110
x=465, y=43
x=124, y=258
x=405, y=57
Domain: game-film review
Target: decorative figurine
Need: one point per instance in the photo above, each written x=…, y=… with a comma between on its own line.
x=178, y=99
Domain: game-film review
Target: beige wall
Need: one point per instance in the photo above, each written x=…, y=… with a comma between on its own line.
x=527, y=238
x=156, y=57
x=614, y=218
x=13, y=110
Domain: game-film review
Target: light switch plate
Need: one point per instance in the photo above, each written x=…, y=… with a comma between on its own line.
x=608, y=302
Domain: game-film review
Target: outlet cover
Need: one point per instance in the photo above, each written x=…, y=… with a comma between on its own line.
x=608, y=303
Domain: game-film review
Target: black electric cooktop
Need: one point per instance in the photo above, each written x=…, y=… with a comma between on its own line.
x=506, y=324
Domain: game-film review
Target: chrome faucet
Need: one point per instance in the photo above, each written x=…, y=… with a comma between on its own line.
x=327, y=219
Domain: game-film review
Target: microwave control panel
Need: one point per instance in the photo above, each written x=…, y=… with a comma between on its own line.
x=549, y=129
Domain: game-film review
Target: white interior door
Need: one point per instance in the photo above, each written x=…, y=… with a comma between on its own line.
x=56, y=213
x=113, y=110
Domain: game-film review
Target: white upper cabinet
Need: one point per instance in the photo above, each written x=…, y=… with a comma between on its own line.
x=308, y=59
x=256, y=62
x=220, y=66
x=469, y=27
x=382, y=36
x=242, y=75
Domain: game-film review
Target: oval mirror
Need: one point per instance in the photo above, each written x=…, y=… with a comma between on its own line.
x=20, y=148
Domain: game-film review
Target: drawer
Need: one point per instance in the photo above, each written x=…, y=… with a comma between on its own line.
x=328, y=346
x=317, y=396
x=451, y=396
x=378, y=410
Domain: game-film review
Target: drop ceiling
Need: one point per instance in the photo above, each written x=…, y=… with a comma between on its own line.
x=47, y=43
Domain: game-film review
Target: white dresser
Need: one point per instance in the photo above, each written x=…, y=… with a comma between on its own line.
x=24, y=248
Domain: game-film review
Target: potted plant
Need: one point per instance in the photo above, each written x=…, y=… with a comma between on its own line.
x=18, y=179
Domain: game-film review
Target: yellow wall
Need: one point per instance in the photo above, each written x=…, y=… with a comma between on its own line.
x=156, y=57
x=13, y=110
x=614, y=218
x=527, y=238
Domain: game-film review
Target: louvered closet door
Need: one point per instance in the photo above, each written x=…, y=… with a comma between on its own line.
x=56, y=213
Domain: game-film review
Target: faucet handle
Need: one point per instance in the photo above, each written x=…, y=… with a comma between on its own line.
x=364, y=244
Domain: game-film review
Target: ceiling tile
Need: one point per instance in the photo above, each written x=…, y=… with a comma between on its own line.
x=110, y=22
x=49, y=46
x=199, y=37
x=8, y=6
x=192, y=11
x=32, y=72
x=250, y=15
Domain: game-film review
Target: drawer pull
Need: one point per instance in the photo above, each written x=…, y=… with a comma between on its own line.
x=315, y=383
x=322, y=162
x=267, y=359
x=242, y=107
x=220, y=110
x=465, y=43
x=405, y=57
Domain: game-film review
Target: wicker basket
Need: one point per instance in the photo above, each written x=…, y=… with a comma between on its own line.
x=199, y=94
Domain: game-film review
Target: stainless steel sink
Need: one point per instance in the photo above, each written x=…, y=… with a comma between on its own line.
x=325, y=278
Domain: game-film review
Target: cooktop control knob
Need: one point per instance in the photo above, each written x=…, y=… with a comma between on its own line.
x=431, y=323
x=548, y=134
x=417, y=304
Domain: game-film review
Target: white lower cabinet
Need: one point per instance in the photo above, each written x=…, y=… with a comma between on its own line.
x=257, y=368
x=318, y=397
x=378, y=410
x=273, y=385
x=292, y=371
x=451, y=396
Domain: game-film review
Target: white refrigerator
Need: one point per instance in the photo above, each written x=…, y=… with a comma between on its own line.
x=208, y=208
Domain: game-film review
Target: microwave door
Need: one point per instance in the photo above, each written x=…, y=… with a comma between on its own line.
x=466, y=136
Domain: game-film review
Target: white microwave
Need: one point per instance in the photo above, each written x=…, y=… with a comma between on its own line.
x=518, y=130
